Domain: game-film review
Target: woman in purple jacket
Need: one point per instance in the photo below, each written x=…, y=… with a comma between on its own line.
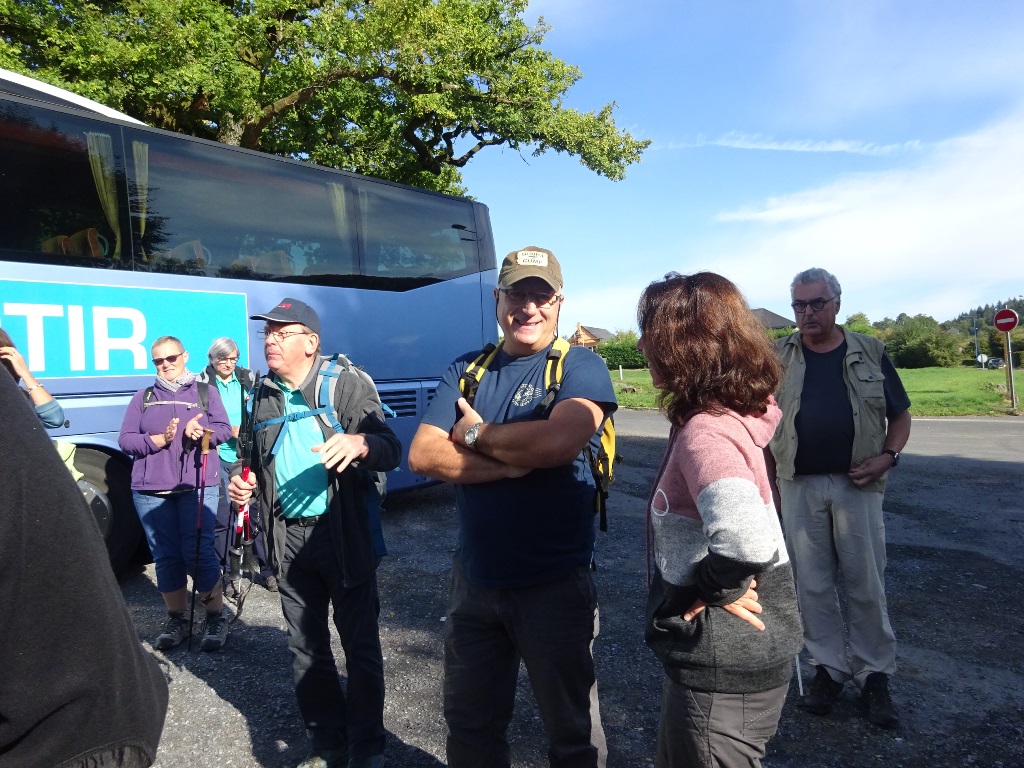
x=163, y=430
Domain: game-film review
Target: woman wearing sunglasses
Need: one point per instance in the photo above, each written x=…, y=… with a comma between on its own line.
x=163, y=431
x=722, y=614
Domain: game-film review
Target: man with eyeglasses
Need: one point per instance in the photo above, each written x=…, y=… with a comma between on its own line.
x=313, y=486
x=234, y=382
x=522, y=586
x=845, y=420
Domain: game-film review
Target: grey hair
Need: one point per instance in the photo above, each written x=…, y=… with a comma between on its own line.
x=222, y=347
x=168, y=340
x=813, y=275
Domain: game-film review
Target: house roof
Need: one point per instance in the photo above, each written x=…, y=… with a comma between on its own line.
x=771, y=320
x=598, y=333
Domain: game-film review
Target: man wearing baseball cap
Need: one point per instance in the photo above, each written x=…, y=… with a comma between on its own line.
x=522, y=586
x=320, y=544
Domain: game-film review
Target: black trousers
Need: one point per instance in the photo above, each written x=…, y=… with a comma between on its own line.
x=311, y=581
x=549, y=627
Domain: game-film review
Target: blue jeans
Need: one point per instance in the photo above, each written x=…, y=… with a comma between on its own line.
x=170, y=522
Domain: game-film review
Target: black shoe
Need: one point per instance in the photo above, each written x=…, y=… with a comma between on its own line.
x=823, y=694
x=271, y=584
x=230, y=589
x=875, y=695
x=174, y=632
x=217, y=625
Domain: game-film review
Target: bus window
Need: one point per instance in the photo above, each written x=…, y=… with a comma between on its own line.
x=63, y=189
x=198, y=209
x=416, y=238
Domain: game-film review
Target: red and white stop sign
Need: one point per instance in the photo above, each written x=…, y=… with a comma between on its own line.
x=1005, y=320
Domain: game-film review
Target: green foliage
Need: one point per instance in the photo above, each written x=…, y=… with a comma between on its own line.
x=780, y=333
x=919, y=342
x=933, y=391
x=859, y=323
x=618, y=353
x=623, y=337
x=408, y=90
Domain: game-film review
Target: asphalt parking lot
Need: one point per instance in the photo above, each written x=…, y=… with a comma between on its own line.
x=955, y=527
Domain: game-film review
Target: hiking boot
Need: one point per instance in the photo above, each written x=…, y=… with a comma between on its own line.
x=271, y=584
x=175, y=631
x=373, y=761
x=823, y=694
x=875, y=696
x=326, y=758
x=216, y=634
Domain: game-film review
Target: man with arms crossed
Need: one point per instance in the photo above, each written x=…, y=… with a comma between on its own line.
x=313, y=488
x=845, y=421
x=522, y=585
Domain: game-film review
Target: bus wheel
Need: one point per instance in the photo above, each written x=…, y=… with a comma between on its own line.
x=106, y=486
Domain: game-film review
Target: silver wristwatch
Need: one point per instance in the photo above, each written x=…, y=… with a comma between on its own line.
x=471, y=435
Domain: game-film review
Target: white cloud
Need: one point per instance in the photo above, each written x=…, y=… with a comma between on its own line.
x=938, y=238
x=754, y=141
x=738, y=140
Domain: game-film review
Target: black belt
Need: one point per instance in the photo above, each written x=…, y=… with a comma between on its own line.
x=305, y=522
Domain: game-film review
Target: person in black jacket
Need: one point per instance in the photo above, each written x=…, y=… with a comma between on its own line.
x=78, y=688
x=234, y=383
x=314, y=483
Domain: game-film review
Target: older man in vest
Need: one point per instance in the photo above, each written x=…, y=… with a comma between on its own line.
x=845, y=421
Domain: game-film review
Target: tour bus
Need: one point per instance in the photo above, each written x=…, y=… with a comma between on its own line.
x=114, y=234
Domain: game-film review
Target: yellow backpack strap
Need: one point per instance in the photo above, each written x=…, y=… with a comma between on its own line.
x=469, y=381
x=553, y=373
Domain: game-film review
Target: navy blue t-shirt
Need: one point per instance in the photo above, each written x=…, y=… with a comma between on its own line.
x=824, y=423
x=534, y=529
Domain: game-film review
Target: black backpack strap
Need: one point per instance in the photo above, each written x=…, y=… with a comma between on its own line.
x=469, y=381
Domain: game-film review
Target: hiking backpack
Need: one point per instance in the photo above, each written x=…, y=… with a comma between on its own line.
x=331, y=369
x=602, y=463
x=202, y=390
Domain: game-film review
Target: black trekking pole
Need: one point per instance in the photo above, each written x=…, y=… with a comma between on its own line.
x=241, y=547
x=204, y=451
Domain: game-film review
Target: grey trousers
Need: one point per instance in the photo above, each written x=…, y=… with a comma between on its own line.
x=833, y=527
x=699, y=729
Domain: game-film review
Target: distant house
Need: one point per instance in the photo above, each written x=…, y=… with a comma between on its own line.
x=589, y=336
x=772, y=321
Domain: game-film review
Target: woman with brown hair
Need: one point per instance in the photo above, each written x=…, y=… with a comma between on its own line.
x=727, y=648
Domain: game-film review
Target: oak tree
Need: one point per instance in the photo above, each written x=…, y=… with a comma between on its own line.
x=408, y=90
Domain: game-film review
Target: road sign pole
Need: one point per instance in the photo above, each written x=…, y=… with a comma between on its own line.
x=1010, y=373
x=1006, y=320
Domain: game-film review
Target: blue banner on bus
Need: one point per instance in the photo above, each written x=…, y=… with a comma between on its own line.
x=67, y=330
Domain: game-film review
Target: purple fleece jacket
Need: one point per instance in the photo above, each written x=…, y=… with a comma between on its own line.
x=177, y=466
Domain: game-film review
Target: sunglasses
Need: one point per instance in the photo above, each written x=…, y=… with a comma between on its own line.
x=172, y=359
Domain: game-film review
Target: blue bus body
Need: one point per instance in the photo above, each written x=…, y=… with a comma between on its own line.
x=113, y=234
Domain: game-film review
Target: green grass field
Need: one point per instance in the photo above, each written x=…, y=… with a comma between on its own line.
x=933, y=391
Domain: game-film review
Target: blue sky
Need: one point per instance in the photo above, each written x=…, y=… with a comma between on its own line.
x=883, y=141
